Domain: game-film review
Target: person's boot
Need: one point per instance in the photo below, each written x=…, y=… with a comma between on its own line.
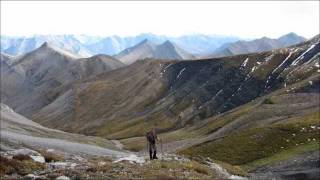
x=150, y=154
x=155, y=155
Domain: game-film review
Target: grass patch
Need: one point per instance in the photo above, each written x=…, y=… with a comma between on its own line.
x=21, y=167
x=178, y=135
x=134, y=144
x=181, y=105
x=249, y=145
x=210, y=125
x=136, y=127
x=216, y=123
x=21, y=157
x=268, y=101
x=116, y=126
x=283, y=155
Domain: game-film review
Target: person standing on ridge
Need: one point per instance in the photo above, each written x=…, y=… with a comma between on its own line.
x=152, y=139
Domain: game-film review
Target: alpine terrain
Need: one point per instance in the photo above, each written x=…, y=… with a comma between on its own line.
x=250, y=112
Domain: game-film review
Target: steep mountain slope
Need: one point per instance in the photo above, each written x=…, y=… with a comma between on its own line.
x=147, y=49
x=140, y=51
x=98, y=64
x=168, y=50
x=175, y=94
x=258, y=45
x=4, y=61
x=268, y=135
x=22, y=45
x=35, y=79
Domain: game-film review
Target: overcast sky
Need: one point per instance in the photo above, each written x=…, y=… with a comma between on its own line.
x=249, y=19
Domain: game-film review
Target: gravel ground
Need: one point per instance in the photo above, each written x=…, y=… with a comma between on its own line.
x=62, y=145
x=18, y=131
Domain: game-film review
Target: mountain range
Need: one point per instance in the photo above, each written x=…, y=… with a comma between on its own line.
x=85, y=46
x=257, y=45
x=21, y=45
x=197, y=44
x=197, y=89
x=257, y=111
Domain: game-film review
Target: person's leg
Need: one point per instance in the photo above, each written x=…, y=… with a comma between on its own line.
x=150, y=151
x=155, y=152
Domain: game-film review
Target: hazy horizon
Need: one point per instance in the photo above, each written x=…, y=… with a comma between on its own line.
x=248, y=20
x=148, y=33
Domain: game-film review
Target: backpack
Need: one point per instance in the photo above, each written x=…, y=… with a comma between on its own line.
x=150, y=137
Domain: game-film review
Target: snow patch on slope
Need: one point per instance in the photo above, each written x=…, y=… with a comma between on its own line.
x=180, y=73
x=296, y=61
x=267, y=59
x=245, y=62
x=282, y=63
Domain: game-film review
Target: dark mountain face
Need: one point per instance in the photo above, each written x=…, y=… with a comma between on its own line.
x=258, y=45
x=176, y=94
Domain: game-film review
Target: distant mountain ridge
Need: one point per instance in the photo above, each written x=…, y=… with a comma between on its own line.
x=86, y=46
x=21, y=45
x=257, y=45
x=148, y=49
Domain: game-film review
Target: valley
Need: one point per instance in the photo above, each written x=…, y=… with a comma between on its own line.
x=248, y=115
